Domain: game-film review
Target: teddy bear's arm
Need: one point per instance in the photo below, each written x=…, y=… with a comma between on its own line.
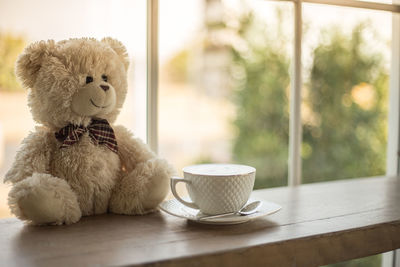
x=33, y=156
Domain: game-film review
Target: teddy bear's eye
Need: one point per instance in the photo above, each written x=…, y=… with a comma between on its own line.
x=104, y=77
x=89, y=79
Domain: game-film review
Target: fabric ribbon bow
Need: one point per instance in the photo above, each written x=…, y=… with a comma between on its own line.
x=100, y=132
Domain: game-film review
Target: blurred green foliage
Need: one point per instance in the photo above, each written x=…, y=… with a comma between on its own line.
x=346, y=96
x=344, y=107
x=260, y=72
x=10, y=47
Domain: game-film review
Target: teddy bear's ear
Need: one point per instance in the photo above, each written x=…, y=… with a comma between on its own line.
x=30, y=61
x=119, y=48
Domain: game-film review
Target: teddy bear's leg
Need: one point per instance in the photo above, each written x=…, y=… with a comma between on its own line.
x=44, y=199
x=141, y=190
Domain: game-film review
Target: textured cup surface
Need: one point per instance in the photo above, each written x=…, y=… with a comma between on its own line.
x=219, y=188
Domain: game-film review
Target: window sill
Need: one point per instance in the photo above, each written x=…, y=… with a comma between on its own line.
x=318, y=224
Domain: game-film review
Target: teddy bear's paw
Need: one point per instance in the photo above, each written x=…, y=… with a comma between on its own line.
x=143, y=189
x=158, y=183
x=44, y=199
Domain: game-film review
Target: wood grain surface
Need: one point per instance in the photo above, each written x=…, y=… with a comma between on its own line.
x=318, y=224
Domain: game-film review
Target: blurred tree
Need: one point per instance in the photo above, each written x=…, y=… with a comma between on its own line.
x=344, y=135
x=10, y=47
x=261, y=78
x=344, y=132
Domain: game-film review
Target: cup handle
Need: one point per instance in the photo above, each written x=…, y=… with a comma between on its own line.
x=174, y=181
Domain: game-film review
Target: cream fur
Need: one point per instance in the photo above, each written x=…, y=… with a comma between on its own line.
x=56, y=186
x=42, y=198
x=146, y=170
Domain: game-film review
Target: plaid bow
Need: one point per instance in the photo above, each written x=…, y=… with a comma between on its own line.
x=100, y=132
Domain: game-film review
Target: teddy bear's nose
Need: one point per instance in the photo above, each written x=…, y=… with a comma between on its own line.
x=105, y=87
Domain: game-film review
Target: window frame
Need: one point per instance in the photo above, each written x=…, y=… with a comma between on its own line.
x=152, y=75
x=295, y=126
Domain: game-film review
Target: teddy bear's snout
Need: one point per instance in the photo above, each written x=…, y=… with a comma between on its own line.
x=104, y=87
x=94, y=99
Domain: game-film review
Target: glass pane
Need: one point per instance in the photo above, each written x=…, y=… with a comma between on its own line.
x=224, y=84
x=344, y=111
x=124, y=20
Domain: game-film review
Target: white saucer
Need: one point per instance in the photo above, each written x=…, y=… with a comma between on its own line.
x=174, y=207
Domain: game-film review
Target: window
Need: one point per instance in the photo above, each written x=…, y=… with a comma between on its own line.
x=222, y=74
x=221, y=100
x=345, y=92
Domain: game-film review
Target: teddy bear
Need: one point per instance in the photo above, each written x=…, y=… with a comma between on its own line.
x=77, y=163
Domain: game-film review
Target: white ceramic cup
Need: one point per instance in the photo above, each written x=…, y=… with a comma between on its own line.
x=216, y=188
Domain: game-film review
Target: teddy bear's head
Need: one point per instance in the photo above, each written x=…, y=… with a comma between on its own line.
x=75, y=80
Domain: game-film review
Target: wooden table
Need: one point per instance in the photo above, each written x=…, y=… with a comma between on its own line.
x=319, y=224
